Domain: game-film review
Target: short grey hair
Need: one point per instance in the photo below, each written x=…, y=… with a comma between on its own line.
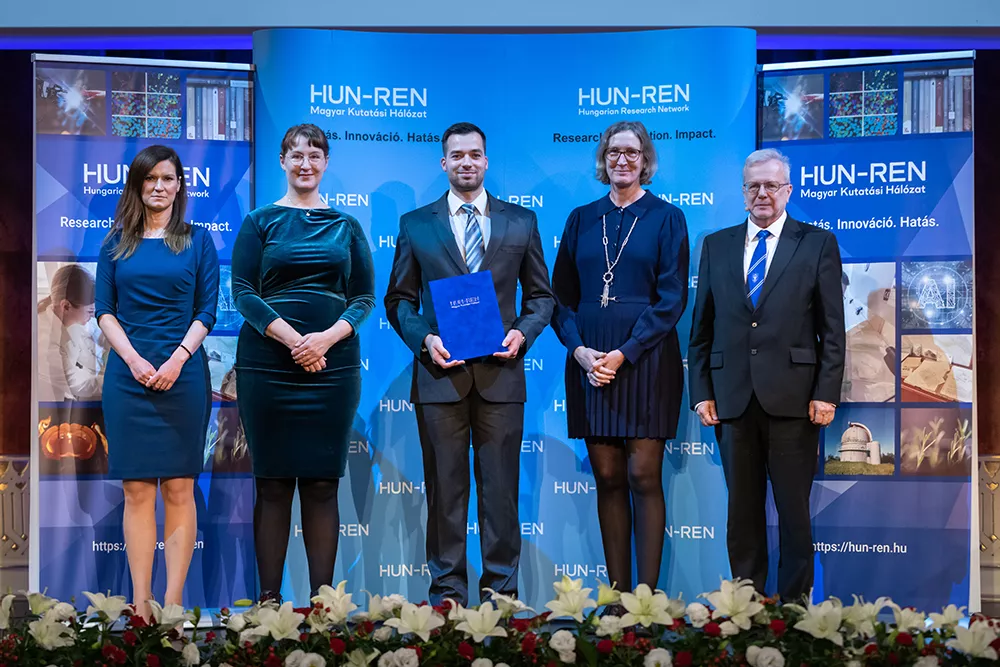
x=766, y=155
x=649, y=160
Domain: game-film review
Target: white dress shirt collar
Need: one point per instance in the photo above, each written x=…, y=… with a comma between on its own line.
x=455, y=203
x=775, y=227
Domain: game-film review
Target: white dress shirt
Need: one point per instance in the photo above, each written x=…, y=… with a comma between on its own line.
x=771, y=243
x=69, y=362
x=458, y=218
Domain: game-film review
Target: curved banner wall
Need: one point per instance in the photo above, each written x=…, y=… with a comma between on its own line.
x=882, y=156
x=384, y=100
x=92, y=116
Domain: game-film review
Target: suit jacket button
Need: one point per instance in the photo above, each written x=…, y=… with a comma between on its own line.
x=753, y=324
x=753, y=351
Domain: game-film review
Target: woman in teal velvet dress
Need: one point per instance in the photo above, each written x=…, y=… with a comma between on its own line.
x=304, y=281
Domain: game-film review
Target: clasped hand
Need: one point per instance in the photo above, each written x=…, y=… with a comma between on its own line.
x=440, y=356
x=601, y=367
x=310, y=350
x=160, y=379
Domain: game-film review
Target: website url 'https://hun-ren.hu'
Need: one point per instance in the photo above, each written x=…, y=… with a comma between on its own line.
x=852, y=547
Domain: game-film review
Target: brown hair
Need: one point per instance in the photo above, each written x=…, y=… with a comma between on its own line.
x=72, y=283
x=315, y=136
x=649, y=160
x=130, y=216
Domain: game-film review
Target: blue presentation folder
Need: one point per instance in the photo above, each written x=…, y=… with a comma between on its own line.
x=468, y=315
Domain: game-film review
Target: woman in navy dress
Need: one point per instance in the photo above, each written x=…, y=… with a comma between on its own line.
x=620, y=281
x=157, y=289
x=303, y=279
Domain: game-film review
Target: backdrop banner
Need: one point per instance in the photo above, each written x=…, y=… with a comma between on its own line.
x=881, y=155
x=92, y=116
x=384, y=101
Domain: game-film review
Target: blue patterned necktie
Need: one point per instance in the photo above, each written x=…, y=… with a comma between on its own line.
x=474, y=247
x=758, y=267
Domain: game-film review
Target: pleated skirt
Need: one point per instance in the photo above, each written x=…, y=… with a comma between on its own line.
x=644, y=399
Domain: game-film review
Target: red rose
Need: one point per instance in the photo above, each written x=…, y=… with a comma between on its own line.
x=778, y=627
x=712, y=629
x=152, y=660
x=995, y=644
x=629, y=638
x=466, y=651
x=210, y=636
x=416, y=649
x=871, y=648
x=893, y=659
x=529, y=643
x=904, y=639
x=683, y=659
x=137, y=621
x=224, y=611
x=678, y=625
x=129, y=638
x=520, y=624
x=272, y=661
x=303, y=637
x=305, y=611
x=605, y=646
x=369, y=627
x=337, y=645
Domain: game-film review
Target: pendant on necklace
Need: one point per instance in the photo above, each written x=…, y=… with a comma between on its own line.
x=605, y=298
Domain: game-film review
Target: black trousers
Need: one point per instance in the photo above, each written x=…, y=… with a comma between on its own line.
x=494, y=430
x=755, y=446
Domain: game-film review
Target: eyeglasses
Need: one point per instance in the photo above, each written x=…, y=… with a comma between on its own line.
x=631, y=154
x=297, y=158
x=770, y=187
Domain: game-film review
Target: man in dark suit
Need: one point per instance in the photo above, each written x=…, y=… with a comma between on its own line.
x=766, y=360
x=482, y=401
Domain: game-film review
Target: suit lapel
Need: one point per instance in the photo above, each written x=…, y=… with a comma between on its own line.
x=791, y=234
x=441, y=221
x=498, y=228
x=737, y=247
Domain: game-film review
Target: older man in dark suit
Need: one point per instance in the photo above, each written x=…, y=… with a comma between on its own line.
x=766, y=360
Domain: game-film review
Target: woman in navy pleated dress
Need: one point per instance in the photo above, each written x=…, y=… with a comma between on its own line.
x=157, y=290
x=620, y=281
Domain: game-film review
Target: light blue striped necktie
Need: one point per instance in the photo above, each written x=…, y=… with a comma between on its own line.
x=474, y=247
x=758, y=267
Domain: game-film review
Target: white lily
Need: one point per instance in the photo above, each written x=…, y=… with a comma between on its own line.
x=358, y=658
x=377, y=610
x=975, y=641
x=169, y=616
x=5, y=605
x=737, y=600
x=607, y=594
x=823, y=621
x=646, y=607
x=457, y=611
x=862, y=616
x=393, y=602
x=299, y=658
x=482, y=623
x=908, y=620
x=108, y=609
x=39, y=603
x=571, y=604
x=61, y=612
x=336, y=600
x=236, y=623
x=950, y=615
x=51, y=635
x=676, y=607
x=566, y=585
x=419, y=621
x=506, y=604
x=281, y=624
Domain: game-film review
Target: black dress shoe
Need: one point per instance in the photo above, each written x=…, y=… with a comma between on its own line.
x=269, y=596
x=613, y=610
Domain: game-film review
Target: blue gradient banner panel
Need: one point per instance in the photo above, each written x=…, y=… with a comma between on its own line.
x=92, y=118
x=543, y=101
x=882, y=155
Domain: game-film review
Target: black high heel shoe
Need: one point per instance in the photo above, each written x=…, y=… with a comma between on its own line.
x=269, y=596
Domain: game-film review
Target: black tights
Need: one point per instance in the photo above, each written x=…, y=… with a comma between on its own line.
x=272, y=520
x=629, y=476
